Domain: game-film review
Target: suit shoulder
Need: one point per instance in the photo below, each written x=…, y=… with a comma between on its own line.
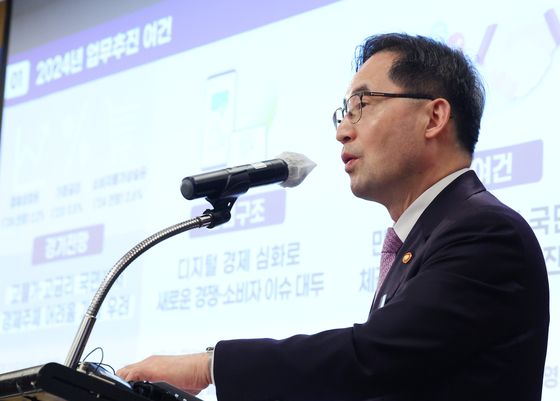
x=484, y=217
x=485, y=208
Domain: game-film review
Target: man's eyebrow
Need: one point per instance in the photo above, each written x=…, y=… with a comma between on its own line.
x=361, y=88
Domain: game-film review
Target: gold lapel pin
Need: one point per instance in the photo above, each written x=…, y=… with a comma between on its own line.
x=406, y=258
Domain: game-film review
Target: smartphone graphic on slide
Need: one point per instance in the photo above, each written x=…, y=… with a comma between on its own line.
x=219, y=113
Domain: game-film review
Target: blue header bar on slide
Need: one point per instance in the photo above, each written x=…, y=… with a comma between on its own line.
x=141, y=37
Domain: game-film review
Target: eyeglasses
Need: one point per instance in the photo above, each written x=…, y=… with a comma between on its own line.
x=353, y=106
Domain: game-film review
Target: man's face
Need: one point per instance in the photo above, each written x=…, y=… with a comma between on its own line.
x=382, y=152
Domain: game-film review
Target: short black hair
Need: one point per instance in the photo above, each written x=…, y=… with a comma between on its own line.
x=426, y=66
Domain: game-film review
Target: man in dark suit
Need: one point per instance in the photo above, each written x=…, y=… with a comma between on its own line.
x=461, y=309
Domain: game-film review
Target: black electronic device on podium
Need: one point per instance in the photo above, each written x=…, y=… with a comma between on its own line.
x=55, y=382
x=84, y=381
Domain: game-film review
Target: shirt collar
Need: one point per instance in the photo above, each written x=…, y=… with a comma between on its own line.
x=408, y=219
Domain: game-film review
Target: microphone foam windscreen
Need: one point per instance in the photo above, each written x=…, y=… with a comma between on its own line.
x=299, y=166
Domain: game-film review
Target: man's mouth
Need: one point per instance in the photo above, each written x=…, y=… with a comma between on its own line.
x=347, y=157
x=348, y=160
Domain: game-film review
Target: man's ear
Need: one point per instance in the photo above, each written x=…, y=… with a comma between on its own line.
x=439, y=113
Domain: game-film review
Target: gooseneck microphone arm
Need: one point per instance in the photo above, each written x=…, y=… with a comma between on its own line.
x=221, y=188
x=84, y=331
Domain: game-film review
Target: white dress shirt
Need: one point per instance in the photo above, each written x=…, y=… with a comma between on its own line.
x=411, y=215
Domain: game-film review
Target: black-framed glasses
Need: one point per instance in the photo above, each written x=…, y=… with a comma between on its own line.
x=353, y=106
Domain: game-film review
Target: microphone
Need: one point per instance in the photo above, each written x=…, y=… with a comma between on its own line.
x=289, y=169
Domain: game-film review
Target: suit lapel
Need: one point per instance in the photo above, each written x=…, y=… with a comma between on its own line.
x=445, y=203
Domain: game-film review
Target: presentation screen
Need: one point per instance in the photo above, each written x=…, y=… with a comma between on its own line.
x=109, y=105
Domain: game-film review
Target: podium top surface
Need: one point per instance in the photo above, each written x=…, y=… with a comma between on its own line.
x=55, y=382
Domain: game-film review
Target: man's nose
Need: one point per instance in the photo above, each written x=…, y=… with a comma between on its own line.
x=346, y=131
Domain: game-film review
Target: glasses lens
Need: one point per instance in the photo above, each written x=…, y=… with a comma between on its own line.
x=337, y=117
x=354, y=108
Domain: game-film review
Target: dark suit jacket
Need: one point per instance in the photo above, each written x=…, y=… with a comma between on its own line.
x=465, y=319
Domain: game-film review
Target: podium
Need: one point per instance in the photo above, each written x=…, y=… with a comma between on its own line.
x=55, y=382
